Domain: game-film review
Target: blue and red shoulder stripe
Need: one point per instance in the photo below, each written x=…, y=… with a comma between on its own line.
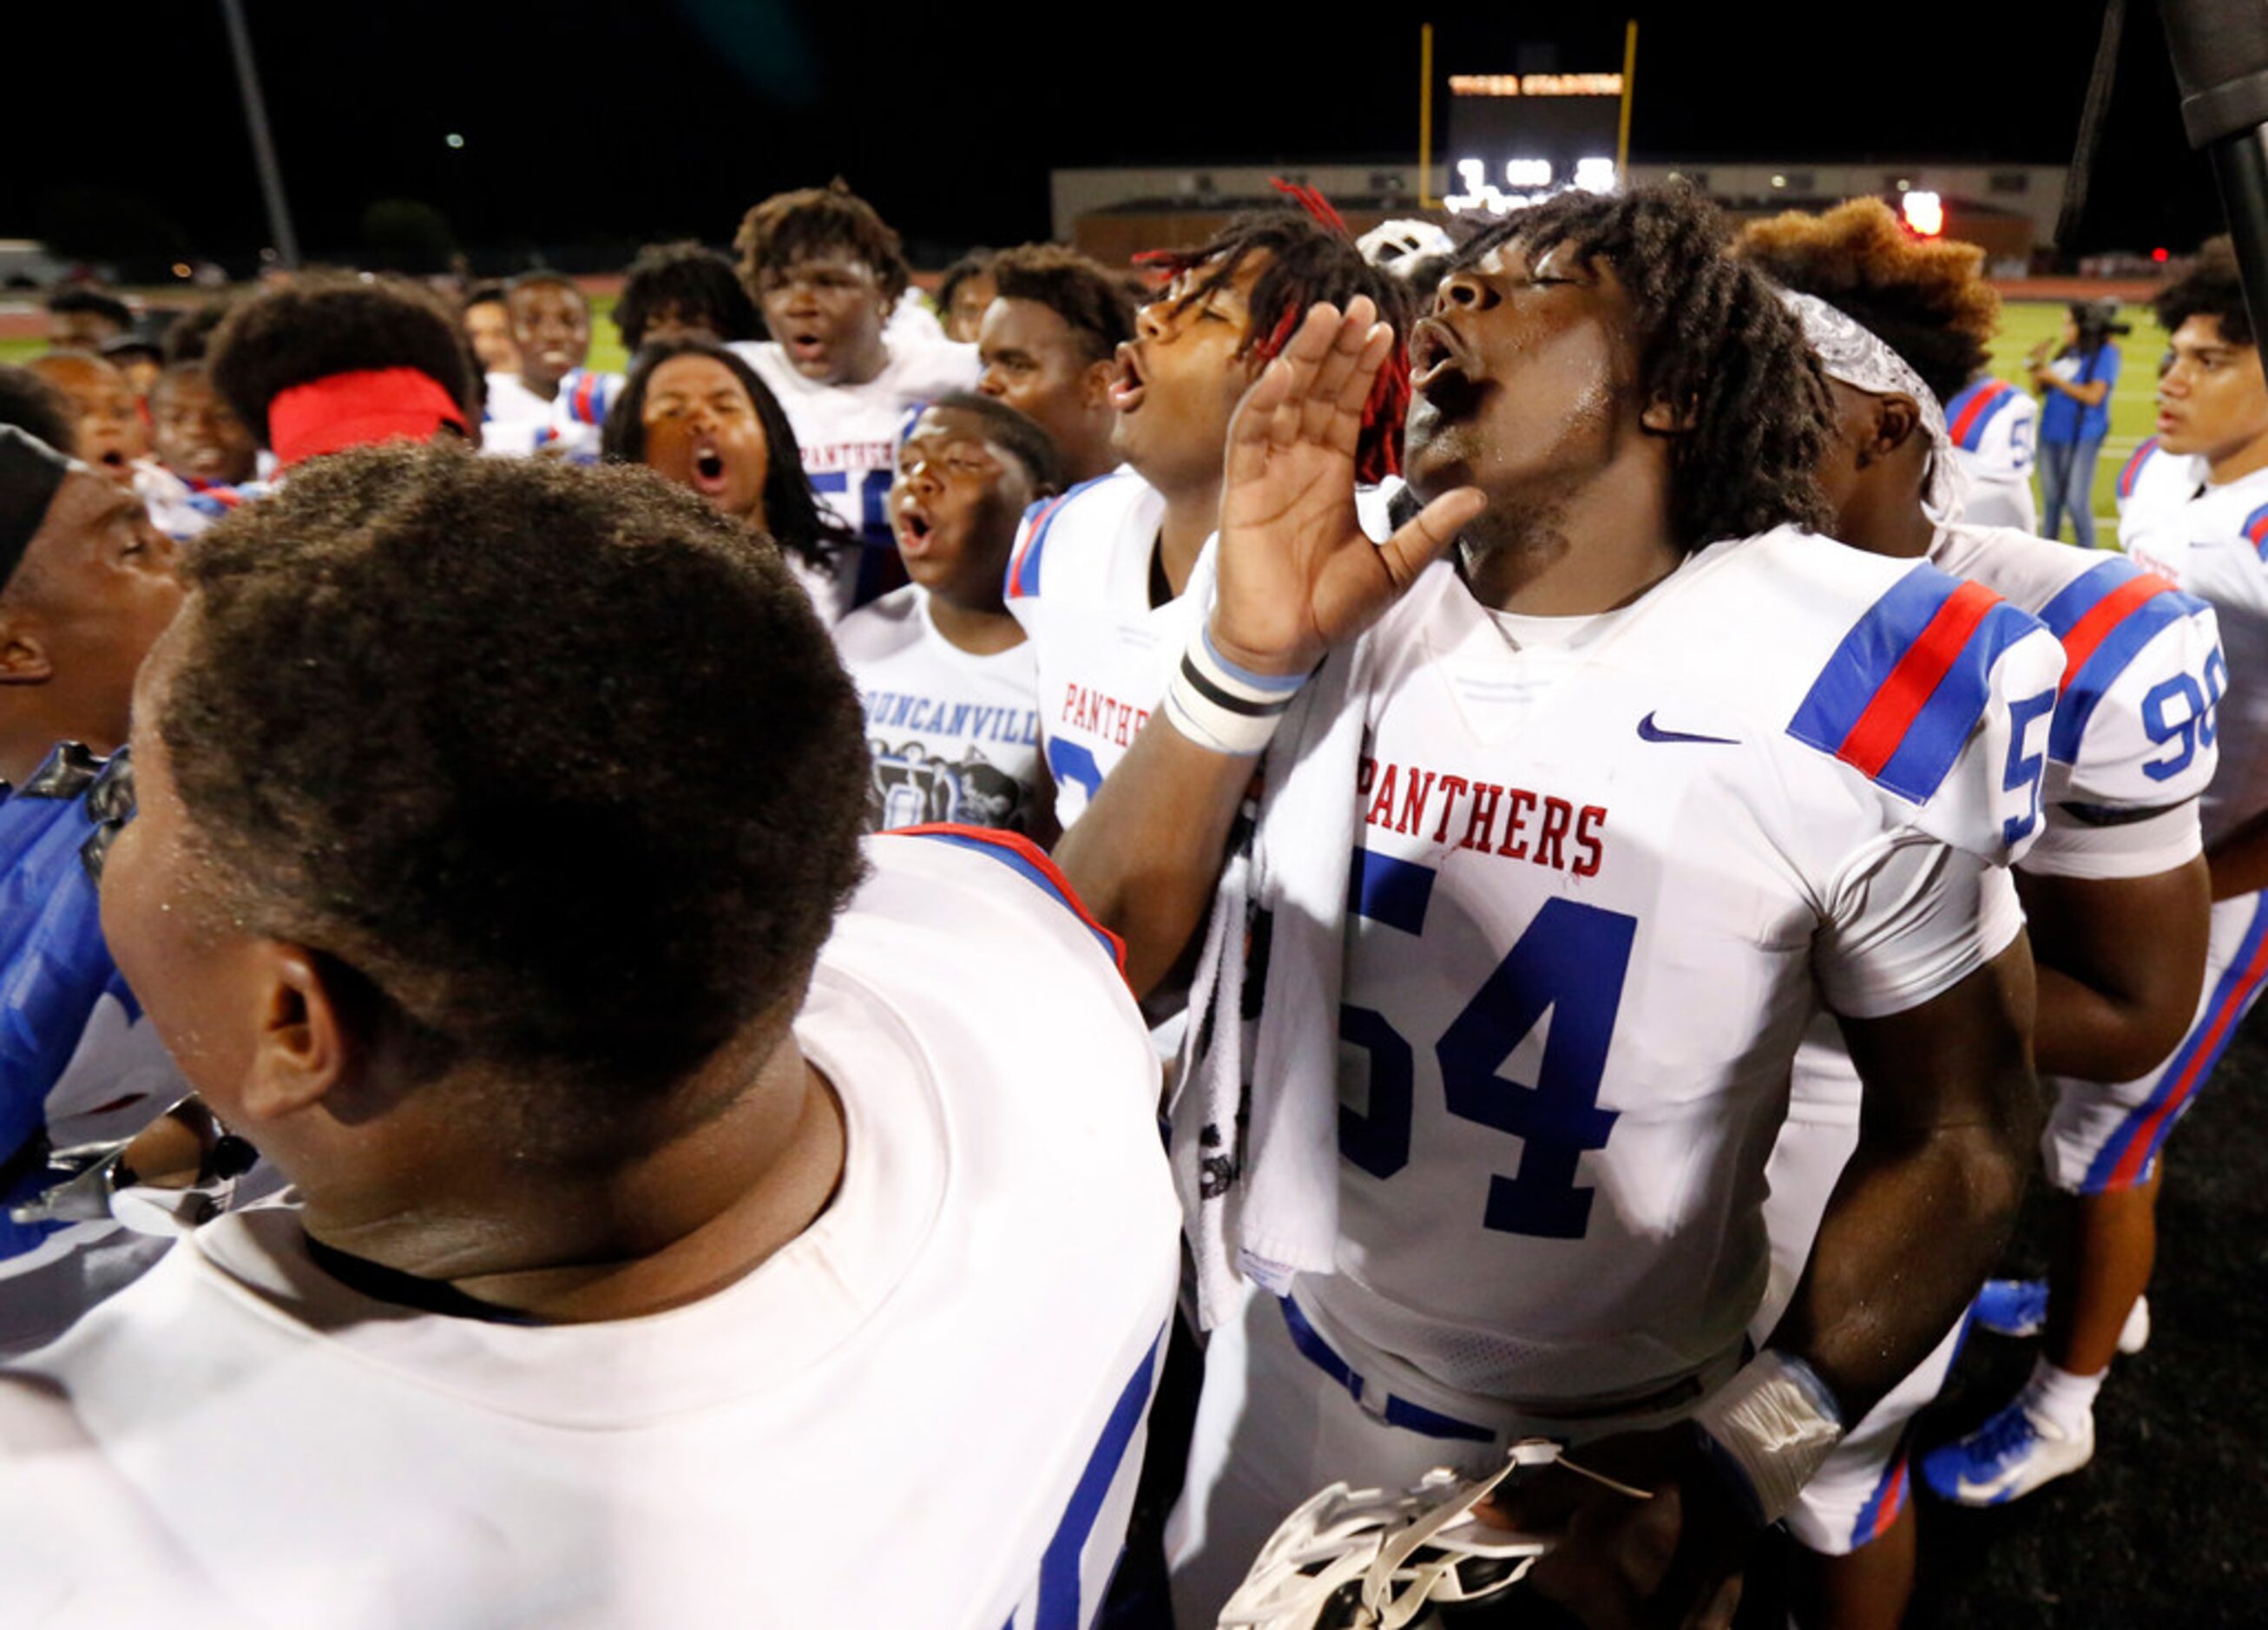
x=1029, y=862
x=1039, y=519
x=1970, y=412
x=2255, y=530
x=2133, y=470
x=1899, y=699
x=2104, y=617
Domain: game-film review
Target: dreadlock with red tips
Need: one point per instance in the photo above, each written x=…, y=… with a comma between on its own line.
x=1308, y=257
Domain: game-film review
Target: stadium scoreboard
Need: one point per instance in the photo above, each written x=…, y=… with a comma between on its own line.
x=1532, y=132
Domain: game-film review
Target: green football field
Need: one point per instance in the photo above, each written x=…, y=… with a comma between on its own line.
x=2024, y=324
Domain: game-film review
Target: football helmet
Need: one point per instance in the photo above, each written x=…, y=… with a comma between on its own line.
x=1369, y=1560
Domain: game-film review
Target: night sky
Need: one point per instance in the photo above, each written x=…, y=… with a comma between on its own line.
x=591, y=126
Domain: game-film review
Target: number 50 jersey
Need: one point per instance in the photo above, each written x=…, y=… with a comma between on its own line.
x=1605, y=872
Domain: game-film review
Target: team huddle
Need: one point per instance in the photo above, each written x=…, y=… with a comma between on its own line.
x=1289, y=940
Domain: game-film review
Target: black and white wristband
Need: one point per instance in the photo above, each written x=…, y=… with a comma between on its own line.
x=1224, y=708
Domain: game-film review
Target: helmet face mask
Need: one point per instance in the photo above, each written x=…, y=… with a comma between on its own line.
x=1358, y=1559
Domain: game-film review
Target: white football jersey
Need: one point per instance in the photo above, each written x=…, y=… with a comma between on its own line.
x=955, y=734
x=1994, y=429
x=1079, y=580
x=849, y=435
x=181, y=506
x=515, y=421
x=2208, y=541
x=1608, y=869
x=929, y=1409
x=2132, y=731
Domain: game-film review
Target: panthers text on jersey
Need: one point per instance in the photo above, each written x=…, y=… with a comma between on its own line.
x=953, y=1362
x=849, y=437
x=1607, y=869
x=955, y=733
x=1994, y=431
x=1079, y=582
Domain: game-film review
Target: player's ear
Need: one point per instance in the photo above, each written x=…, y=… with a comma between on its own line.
x=1893, y=420
x=1896, y=420
x=24, y=658
x=1095, y=385
x=306, y=1038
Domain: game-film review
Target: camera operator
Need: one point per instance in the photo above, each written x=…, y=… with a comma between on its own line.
x=2074, y=389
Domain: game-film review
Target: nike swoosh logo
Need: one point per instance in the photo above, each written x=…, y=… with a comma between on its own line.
x=1648, y=731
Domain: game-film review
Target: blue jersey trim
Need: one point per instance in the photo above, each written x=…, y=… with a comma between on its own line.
x=2084, y=688
x=1024, y=566
x=1973, y=437
x=1058, y=1606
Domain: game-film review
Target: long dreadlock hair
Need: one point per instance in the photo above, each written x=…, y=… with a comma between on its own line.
x=1713, y=341
x=1310, y=257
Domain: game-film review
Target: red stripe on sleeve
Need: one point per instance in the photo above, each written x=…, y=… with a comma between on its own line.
x=2130, y=1163
x=1031, y=542
x=1883, y=726
x=2109, y=611
x=1984, y=399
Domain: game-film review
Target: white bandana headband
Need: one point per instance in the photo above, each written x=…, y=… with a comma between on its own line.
x=1858, y=357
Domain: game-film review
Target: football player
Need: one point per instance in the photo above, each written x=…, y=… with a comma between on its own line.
x=699, y=415
x=677, y=1170
x=2115, y=886
x=2195, y=509
x=1994, y=428
x=331, y=361
x=204, y=456
x=1109, y=579
x=87, y=583
x=964, y=289
x=1050, y=344
x=551, y=332
x=683, y=290
x=1633, y=760
x=826, y=273
x=488, y=328
x=673, y=292
x=110, y=434
x=940, y=663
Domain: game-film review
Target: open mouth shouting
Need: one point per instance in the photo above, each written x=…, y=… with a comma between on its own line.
x=1127, y=385
x=1440, y=370
x=707, y=467
x=914, y=529
x=807, y=348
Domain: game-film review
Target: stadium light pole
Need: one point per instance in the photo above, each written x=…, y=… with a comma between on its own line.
x=1426, y=116
x=263, y=144
x=1629, y=93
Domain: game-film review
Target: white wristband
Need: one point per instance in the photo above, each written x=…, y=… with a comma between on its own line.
x=1775, y=1422
x=1224, y=708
